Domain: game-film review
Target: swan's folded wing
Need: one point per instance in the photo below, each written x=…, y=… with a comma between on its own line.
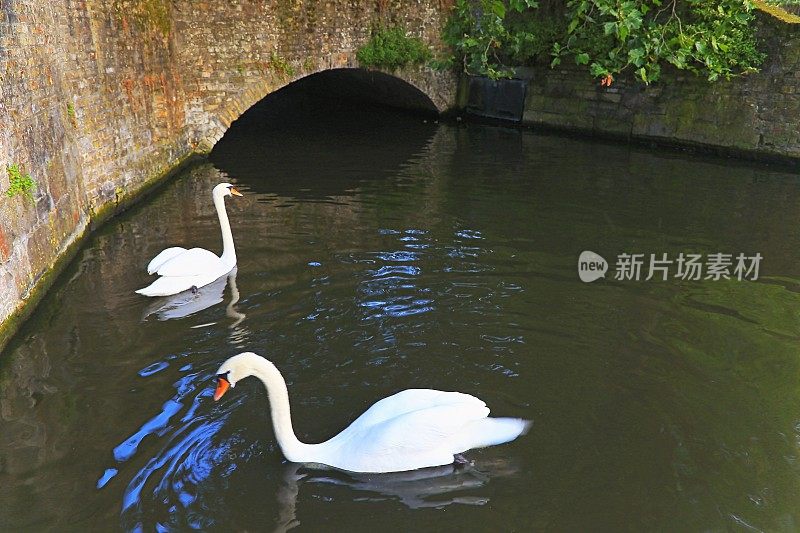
x=190, y=263
x=417, y=439
x=411, y=400
x=163, y=257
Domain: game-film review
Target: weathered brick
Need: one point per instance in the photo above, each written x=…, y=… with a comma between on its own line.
x=749, y=114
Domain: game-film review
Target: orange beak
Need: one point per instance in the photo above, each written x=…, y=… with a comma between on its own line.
x=235, y=192
x=222, y=387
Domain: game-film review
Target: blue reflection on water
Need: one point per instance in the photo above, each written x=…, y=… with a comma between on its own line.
x=392, y=289
x=401, y=255
x=469, y=234
x=185, y=385
x=385, y=271
x=152, y=369
x=125, y=450
x=106, y=477
x=190, y=458
x=190, y=451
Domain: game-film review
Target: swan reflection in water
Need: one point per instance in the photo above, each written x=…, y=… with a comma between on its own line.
x=416, y=489
x=187, y=303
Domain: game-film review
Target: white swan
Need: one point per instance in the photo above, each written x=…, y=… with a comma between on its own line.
x=415, y=428
x=181, y=269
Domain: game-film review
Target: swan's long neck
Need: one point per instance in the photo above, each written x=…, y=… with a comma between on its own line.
x=228, y=251
x=294, y=450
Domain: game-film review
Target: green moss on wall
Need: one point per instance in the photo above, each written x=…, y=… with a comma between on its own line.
x=146, y=14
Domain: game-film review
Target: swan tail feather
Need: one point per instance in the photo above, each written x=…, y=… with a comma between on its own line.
x=490, y=432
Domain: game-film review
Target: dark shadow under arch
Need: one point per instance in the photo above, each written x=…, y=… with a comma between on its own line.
x=369, y=86
x=291, y=142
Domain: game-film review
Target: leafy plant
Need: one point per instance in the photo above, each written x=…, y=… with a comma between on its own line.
x=478, y=32
x=19, y=183
x=713, y=38
x=532, y=33
x=391, y=48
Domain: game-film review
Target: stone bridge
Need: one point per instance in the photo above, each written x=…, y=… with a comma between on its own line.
x=99, y=99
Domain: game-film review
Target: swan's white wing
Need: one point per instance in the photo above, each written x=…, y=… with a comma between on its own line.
x=413, y=400
x=163, y=257
x=194, y=262
x=418, y=439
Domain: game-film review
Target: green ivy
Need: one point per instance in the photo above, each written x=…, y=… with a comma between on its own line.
x=19, y=183
x=390, y=48
x=712, y=38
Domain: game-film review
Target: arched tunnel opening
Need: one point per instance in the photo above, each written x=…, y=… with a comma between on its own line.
x=359, y=86
x=323, y=134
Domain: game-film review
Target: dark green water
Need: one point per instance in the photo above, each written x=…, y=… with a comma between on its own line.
x=378, y=253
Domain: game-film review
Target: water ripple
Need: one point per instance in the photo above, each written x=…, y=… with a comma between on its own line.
x=190, y=451
x=152, y=369
x=106, y=477
x=469, y=234
x=400, y=256
x=127, y=449
x=396, y=269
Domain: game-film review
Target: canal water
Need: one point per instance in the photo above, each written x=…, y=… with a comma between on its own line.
x=379, y=252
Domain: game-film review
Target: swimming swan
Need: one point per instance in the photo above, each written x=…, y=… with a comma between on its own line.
x=181, y=269
x=415, y=428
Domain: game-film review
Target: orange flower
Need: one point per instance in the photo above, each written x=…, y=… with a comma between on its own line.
x=607, y=80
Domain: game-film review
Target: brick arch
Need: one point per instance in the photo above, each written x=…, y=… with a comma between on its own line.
x=416, y=89
x=229, y=55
